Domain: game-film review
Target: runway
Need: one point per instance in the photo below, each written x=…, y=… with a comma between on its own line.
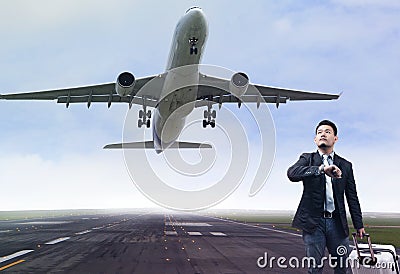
x=143, y=242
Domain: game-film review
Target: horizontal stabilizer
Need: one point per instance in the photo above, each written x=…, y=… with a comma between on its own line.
x=189, y=145
x=133, y=145
x=150, y=144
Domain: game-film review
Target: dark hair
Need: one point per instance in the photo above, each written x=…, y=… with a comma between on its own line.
x=327, y=123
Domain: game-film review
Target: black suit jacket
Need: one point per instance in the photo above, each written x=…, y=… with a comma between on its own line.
x=311, y=205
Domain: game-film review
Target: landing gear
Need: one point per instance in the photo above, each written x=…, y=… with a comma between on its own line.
x=206, y=123
x=144, y=116
x=208, y=113
x=141, y=122
x=209, y=116
x=193, y=42
x=193, y=50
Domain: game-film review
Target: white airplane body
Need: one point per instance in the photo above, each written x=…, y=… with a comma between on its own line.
x=176, y=96
x=166, y=129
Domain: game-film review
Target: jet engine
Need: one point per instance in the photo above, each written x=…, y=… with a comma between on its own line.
x=238, y=84
x=125, y=83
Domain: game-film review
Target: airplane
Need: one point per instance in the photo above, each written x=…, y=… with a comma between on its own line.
x=175, y=93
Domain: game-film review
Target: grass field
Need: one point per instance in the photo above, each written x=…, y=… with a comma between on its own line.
x=383, y=228
x=35, y=214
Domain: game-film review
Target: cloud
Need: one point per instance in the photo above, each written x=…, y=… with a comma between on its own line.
x=76, y=181
x=388, y=4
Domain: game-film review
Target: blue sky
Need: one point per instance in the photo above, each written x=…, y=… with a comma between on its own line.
x=51, y=157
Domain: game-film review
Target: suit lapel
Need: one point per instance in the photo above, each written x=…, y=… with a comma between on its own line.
x=317, y=161
x=338, y=162
x=336, y=159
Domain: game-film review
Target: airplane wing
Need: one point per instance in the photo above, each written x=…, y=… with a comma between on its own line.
x=150, y=144
x=211, y=88
x=104, y=93
x=217, y=90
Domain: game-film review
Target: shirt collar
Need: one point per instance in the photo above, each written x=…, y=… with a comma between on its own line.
x=331, y=154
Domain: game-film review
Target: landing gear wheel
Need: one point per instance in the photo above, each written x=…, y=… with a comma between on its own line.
x=140, y=123
x=193, y=51
x=141, y=114
x=148, y=114
x=193, y=42
x=209, y=114
x=148, y=123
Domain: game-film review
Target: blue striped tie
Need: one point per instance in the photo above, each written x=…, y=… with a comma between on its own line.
x=329, y=202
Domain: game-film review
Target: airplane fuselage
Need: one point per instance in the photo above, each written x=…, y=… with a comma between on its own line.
x=178, y=94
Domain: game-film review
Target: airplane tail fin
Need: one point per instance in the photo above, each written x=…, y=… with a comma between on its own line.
x=150, y=145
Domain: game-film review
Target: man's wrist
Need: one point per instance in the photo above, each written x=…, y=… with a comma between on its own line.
x=321, y=169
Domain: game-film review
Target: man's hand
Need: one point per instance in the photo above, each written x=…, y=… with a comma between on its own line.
x=361, y=232
x=333, y=171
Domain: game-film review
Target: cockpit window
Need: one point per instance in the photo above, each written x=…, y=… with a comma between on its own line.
x=192, y=8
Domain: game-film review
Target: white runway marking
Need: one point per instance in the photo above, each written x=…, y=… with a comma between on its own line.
x=194, y=233
x=15, y=255
x=45, y=223
x=83, y=232
x=56, y=241
x=171, y=233
x=260, y=227
x=5, y=231
x=217, y=234
x=186, y=224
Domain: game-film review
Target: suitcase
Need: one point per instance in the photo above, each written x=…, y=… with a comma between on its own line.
x=373, y=258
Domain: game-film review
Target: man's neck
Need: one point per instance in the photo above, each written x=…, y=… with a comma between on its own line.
x=326, y=150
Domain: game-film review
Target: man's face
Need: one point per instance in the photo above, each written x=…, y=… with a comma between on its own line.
x=325, y=136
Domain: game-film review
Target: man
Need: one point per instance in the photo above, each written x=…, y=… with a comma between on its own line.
x=321, y=214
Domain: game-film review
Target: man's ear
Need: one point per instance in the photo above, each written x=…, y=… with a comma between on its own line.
x=336, y=138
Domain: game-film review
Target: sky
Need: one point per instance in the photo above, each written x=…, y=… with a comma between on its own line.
x=52, y=157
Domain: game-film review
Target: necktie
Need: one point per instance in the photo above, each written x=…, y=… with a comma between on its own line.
x=329, y=202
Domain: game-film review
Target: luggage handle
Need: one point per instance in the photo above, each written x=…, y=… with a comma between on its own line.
x=364, y=260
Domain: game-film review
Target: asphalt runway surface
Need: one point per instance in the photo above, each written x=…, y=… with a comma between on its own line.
x=144, y=242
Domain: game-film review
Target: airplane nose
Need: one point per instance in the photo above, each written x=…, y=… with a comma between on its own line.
x=196, y=18
x=193, y=9
x=195, y=12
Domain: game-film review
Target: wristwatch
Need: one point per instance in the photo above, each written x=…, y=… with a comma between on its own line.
x=321, y=169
